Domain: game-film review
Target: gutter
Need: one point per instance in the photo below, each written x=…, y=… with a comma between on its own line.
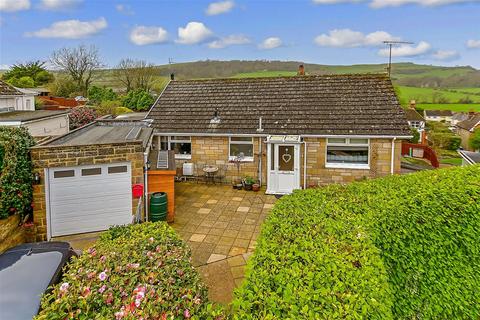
x=304, y=165
x=145, y=175
x=206, y=134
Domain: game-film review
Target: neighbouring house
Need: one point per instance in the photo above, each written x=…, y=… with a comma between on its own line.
x=469, y=157
x=86, y=178
x=287, y=132
x=416, y=121
x=465, y=129
x=438, y=115
x=459, y=117
x=12, y=98
x=40, y=123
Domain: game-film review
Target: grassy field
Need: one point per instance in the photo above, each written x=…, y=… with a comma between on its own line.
x=432, y=95
x=265, y=74
x=455, y=107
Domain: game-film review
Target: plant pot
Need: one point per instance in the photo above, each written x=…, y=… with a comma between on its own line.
x=248, y=186
x=255, y=187
x=239, y=186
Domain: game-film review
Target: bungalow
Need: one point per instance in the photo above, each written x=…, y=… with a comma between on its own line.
x=12, y=98
x=416, y=121
x=40, y=123
x=287, y=132
x=465, y=128
x=438, y=115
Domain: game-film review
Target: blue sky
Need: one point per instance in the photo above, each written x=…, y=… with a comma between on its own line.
x=444, y=32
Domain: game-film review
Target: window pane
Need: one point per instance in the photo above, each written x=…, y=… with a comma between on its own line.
x=337, y=140
x=359, y=141
x=163, y=143
x=178, y=138
x=246, y=149
x=353, y=155
x=247, y=139
x=91, y=172
x=117, y=169
x=286, y=158
x=64, y=174
x=181, y=147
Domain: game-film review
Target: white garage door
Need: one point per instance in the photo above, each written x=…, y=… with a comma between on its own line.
x=89, y=198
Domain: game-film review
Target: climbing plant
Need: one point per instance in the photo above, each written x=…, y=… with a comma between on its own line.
x=16, y=171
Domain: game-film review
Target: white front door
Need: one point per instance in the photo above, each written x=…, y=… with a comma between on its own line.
x=89, y=198
x=283, y=168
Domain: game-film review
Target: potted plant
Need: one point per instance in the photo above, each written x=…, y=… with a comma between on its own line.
x=248, y=183
x=237, y=184
x=256, y=186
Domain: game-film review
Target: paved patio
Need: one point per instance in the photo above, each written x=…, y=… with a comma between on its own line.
x=221, y=226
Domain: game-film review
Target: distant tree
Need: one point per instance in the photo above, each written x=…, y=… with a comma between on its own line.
x=35, y=70
x=465, y=100
x=79, y=63
x=136, y=74
x=64, y=87
x=474, y=141
x=138, y=100
x=23, y=82
x=416, y=136
x=97, y=94
x=80, y=116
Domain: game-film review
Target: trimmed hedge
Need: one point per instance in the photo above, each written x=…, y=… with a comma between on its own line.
x=140, y=271
x=402, y=247
x=16, y=171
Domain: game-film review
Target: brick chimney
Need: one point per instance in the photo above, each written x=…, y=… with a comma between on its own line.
x=301, y=70
x=413, y=104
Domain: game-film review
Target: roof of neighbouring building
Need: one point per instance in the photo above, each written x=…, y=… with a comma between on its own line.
x=105, y=131
x=315, y=105
x=438, y=113
x=460, y=116
x=470, y=123
x=470, y=156
x=413, y=115
x=23, y=116
x=8, y=90
x=28, y=91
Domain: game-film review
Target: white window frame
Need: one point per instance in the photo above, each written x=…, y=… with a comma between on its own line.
x=347, y=143
x=185, y=139
x=245, y=159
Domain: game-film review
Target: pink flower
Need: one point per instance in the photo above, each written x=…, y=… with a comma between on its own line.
x=137, y=302
x=91, y=275
x=92, y=252
x=109, y=299
x=102, y=259
x=86, y=292
x=120, y=314
x=102, y=289
x=186, y=313
x=64, y=287
x=102, y=276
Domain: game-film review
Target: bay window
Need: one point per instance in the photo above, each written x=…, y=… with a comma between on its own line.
x=241, y=146
x=352, y=153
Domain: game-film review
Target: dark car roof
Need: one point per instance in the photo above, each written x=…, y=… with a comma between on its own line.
x=26, y=271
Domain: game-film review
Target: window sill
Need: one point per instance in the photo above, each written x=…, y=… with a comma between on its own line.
x=246, y=159
x=183, y=156
x=347, y=166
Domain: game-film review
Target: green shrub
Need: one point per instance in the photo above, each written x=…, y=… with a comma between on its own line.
x=138, y=100
x=474, y=141
x=97, y=94
x=140, y=271
x=16, y=171
x=402, y=247
x=416, y=136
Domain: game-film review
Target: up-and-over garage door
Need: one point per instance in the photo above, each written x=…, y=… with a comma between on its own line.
x=89, y=198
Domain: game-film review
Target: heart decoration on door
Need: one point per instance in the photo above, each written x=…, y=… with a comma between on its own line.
x=286, y=157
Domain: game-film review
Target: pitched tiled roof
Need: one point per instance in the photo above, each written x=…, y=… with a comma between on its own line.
x=438, y=113
x=470, y=123
x=315, y=105
x=413, y=115
x=8, y=90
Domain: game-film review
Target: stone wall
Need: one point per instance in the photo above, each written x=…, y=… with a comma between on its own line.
x=67, y=156
x=11, y=234
x=214, y=151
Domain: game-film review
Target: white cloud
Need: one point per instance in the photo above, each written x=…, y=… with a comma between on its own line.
x=396, y=3
x=70, y=29
x=270, y=43
x=446, y=55
x=125, y=9
x=407, y=50
x=233, y=39
x=220, y=7
x=346, y=38
x=194, y=32
x=472, y=44
x=4, y=67
x=143, y=35
x=14, y=5
x=58, y=4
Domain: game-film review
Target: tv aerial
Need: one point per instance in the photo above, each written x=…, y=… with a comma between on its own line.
x=390, y=44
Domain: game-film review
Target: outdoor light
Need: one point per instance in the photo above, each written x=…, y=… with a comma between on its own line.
x=148, y=164
x=36, y=178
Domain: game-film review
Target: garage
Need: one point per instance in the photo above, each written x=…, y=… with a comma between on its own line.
x=89, y=198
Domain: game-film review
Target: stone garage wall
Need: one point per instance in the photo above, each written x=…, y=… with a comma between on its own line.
x=68, y=156
x=11, y=234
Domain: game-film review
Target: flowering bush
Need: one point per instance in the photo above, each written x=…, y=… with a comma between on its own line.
x=140, y=271
x=80, y=116
x=16, y=171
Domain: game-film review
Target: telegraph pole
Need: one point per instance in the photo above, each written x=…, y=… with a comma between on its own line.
x=390, y=44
